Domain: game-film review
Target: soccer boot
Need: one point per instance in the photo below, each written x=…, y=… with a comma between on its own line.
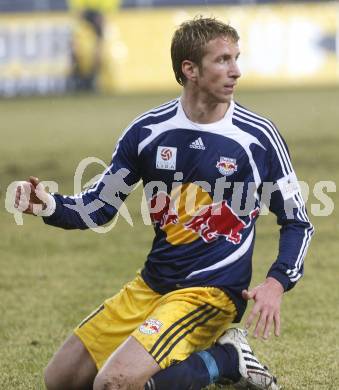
x=254, y=376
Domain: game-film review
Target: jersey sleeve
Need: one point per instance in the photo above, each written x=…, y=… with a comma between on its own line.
x=100, y=203
x=288, y=205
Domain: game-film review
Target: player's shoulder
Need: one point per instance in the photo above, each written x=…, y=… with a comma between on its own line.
x=138, y=128
x=157, y=114
x=258, y=125
x=251, y=117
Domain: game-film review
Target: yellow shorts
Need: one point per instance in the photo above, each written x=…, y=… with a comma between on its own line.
x=170, y=327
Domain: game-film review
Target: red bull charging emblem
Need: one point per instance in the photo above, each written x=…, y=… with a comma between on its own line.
x=219, y=220
x=227, y=166
x=189, y=214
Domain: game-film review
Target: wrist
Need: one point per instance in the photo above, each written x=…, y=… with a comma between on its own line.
x=275, y=283
x=47, y=208
x=280, y=276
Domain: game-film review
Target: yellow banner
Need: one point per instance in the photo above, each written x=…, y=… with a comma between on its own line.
x=282, y=45
x=35, y=54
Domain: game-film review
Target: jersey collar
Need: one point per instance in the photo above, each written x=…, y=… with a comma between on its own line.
x=219, y=125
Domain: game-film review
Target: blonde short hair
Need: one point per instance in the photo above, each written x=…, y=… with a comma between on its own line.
x=190, y=39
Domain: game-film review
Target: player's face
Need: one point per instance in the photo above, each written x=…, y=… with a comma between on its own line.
x=219, y=71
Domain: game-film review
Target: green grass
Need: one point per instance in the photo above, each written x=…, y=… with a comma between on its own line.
x=50, y=279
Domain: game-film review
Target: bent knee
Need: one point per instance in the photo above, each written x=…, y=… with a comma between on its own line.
x=63, y=377
x=71, y=368
x=120, y=381
x=54, y=380
x=103, y=382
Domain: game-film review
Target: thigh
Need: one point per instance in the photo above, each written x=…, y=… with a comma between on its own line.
x=71, y=367
x=103, y=331
x=184, y=322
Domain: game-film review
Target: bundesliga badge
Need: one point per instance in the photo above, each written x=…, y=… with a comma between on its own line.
x=227, y=166
x=150, y=326
x=166, y=158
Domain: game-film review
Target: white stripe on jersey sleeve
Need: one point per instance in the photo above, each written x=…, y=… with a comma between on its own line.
x=272, y=129
x=303, y=250
x=281, y=153
x=249, y=121
x=271, y=132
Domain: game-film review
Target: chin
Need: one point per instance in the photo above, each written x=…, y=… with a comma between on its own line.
x=225, y=98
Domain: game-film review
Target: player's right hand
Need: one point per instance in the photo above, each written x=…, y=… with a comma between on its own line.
x=267, y=299
x=31, y=197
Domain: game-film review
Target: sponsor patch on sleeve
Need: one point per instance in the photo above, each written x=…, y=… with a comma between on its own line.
x=289, y=186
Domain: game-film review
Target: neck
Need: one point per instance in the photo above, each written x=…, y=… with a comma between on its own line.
x=200, y=110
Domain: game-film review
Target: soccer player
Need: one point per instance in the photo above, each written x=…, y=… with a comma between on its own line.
x=206, y=164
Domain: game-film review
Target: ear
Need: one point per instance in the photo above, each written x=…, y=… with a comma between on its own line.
x=190, y=70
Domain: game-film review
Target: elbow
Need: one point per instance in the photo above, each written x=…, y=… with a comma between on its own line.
x=311, y=229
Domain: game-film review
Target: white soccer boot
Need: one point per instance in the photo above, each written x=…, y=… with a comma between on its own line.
x=254, y=376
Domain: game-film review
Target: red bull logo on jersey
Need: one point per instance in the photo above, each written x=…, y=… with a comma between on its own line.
x=227, y=166
x=150, y=326
x=162, y=212
x=189, y=214
x=219, y=220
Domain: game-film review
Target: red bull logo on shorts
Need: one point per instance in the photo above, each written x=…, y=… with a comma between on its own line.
x=227, y=166
x=150, y=326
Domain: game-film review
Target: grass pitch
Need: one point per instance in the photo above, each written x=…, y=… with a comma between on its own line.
x=51, y=279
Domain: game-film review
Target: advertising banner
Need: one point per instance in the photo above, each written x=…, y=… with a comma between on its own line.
x=35, y=55
x=281, y=45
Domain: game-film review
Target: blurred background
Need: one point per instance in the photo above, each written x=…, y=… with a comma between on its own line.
x=73, y=75
x=122, y=46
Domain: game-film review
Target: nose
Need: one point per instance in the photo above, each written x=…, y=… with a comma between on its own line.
x=234, y=70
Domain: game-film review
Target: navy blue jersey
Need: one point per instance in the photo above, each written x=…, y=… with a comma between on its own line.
x=205, y=185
